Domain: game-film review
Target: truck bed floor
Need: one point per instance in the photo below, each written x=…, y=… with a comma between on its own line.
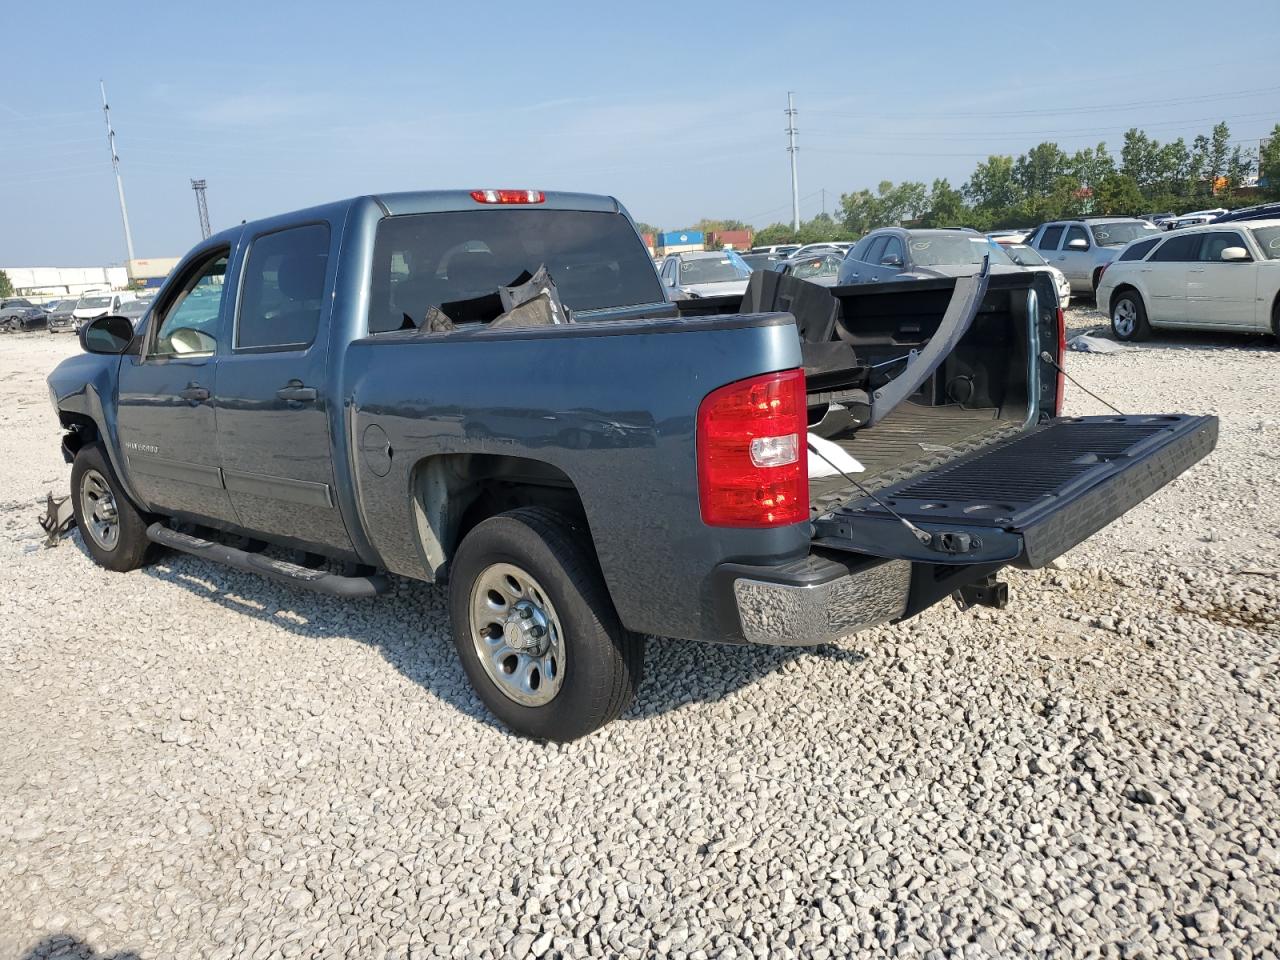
x=912, y=438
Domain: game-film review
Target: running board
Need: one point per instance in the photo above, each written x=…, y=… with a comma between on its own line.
x=321, y=581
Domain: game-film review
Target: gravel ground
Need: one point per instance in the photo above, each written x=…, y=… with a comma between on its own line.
x=196, y=763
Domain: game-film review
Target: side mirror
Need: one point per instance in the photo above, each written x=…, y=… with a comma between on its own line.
x=1078, y=244
x=892, y=260
x=111, y=334
x=1235, y=253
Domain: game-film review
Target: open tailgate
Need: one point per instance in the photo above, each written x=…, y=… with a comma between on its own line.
x=1025, y=500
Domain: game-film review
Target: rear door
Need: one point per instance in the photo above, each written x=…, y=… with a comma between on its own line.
x=165, y=414
x=273, y=404
x=1221, y=292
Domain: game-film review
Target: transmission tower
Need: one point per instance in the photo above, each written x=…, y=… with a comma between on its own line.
x=202, y=208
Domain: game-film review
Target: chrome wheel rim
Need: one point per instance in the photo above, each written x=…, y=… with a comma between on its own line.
x=517, y=635
x=1125, y=317
x=98, y=507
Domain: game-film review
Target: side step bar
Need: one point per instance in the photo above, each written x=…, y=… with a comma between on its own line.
x=320, y=581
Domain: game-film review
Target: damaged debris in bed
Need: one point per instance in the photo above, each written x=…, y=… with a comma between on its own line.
x=58, y=519
x=532, y=300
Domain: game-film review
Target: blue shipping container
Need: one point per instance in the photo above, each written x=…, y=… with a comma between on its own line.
x=679, y=238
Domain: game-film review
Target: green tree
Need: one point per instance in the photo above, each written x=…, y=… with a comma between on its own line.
x=1091, y=165
x=6, y=286
x=774, y=234
x=1139, y=159
x=1269, y=163
x=1038, y=171
x=646, y=228
x=946, y=207
x=1118, y=195
x=991, y=188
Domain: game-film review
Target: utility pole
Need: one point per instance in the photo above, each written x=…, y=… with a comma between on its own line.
x=202, y=208
x=115, y=165
x=791, y=149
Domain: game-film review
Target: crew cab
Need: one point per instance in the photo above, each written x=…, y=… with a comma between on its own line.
x=489, y=389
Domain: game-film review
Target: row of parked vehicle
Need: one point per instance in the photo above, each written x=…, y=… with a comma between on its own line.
x=18, y=314
x=1220, y=275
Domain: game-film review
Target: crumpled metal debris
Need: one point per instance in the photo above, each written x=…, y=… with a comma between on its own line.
x=535, y=302
x=58, y=519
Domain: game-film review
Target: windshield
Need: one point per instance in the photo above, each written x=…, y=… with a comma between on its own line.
x=426, y=260
x=1118, y=234
x=823, y=265
x=949, y=250
x=1023, y=255
x=713, y=270
x=760, y=261
x=1269, y=240
x=95, y=302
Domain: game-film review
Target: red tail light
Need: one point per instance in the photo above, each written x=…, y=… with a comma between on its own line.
x=508, y=196
x=1060, y=396
x=753, y=465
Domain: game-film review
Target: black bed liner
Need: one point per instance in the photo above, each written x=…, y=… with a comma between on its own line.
x=1026, y=499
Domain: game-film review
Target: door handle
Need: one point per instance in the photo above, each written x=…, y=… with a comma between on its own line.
x=194, y=393
x=295, y=392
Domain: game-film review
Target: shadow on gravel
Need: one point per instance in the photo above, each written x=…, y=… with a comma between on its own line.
x=677, y=672
x=64, y=946
x=1165, y=339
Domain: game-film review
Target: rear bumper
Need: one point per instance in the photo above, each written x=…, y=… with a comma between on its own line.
x=814, y=600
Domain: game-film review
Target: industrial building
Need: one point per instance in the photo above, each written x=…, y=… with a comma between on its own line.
x=50, y=282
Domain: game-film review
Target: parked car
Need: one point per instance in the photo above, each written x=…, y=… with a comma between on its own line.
x=1082, y=248
x=896, y=253
x=1210, y=277
x=1260, y=211
x=490, y=389
x=820, y=268
x=1190, y=220
x=1030, y=258
x=59, y=313
x=19, y=313
x=94, y=305
x=763, y=261
x=811, y=248
x=782, y=249
x=1004, y=237
x=705, y=273
x=135, y=310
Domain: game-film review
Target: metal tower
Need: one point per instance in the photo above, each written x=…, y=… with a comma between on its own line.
x=202, y=208
x=115, y=165
x=791, y=149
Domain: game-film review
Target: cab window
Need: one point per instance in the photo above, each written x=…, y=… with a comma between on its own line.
x=1049, y=239
x=283, y=289
x=1075, y=233
x=189, y=322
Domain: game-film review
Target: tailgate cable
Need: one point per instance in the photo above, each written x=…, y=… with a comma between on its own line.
x=1048, y=358
x=922, y=536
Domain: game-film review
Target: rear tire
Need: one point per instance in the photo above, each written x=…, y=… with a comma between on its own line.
x=1129, y=316
x=113, y=530
x=535, y=628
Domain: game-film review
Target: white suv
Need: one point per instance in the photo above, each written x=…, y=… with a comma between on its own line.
x=1081, y=249
x=1214, y=277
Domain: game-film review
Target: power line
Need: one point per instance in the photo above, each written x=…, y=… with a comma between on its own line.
x=1041, y=112
x=1067, y=131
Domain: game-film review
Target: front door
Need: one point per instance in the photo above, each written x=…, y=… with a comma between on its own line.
x=1220, y=293
x=1164, y=275
x=1077, y=264
x=165, y=410
x=273, y=400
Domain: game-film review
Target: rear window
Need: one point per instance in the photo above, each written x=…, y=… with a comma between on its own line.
x=427, y=260
x=1139, y=250
x=1269, y=240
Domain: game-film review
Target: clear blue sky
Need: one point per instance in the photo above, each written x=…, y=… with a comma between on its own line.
x=674, y=108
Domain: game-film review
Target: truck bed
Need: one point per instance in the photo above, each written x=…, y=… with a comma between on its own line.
x=911, y=439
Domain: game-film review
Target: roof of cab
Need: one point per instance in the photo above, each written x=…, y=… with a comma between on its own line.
x=440, y=201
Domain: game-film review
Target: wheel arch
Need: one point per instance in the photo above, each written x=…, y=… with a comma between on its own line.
x=1126, y=287
x=453, y=492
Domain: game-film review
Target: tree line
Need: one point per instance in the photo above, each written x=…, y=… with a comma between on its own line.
x=1047, y=183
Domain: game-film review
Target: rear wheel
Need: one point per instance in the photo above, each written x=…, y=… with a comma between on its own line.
x=535, y=628
x=113, y=530
x=1129, y=316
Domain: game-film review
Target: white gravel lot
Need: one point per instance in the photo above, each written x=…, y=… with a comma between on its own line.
x=197, y=763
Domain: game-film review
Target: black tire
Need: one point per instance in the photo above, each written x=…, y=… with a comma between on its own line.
x=1129, y=316
x=130, y=547
x=1275, y=321
x=603, y=662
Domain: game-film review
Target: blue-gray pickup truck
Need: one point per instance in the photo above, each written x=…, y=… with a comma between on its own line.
x=488, y=389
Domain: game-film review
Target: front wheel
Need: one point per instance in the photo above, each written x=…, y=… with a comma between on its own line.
x=535, y=628
x=1129, y=317
x=113, y=531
